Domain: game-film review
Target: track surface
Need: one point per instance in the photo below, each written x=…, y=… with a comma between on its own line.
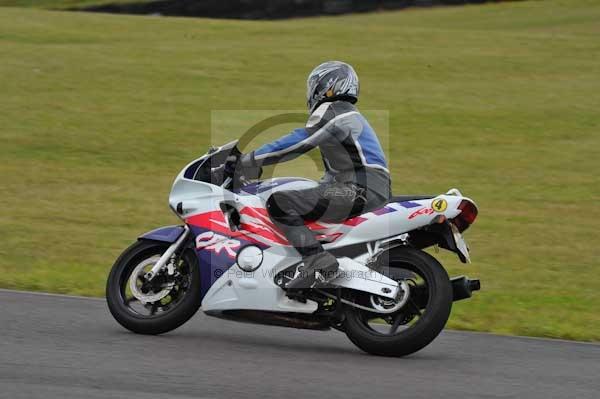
x=67, y=347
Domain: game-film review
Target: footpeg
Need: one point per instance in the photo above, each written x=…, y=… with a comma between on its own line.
x=296, y=295
x=322, y=280
x=319, y=278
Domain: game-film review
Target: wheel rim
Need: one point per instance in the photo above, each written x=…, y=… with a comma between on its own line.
x=409, y=315
x=161, y=295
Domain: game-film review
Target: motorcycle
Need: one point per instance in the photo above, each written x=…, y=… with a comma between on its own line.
x=390, y=297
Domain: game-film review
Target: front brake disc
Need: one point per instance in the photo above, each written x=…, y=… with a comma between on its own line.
x=138, y=275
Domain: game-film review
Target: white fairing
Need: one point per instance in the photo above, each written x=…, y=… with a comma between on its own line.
x=240, y=290
x=256, y=290
x=236, y=289
x=398, y=221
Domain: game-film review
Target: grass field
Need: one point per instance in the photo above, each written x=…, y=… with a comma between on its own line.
x=99, y=112
x=62, y=4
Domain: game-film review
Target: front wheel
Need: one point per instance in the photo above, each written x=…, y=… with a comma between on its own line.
x=157, y=306
x=419, y=321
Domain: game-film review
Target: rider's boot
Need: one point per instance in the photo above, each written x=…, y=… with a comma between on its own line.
x=319, y=267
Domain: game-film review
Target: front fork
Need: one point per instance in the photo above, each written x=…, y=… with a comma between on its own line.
x=168, y=254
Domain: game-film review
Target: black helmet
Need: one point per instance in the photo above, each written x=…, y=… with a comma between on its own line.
x=330, y=81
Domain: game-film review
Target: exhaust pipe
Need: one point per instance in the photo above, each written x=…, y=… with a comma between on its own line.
x=463, y=287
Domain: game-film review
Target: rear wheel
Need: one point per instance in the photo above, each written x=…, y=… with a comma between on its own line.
x=159, y=305
x=414, y=325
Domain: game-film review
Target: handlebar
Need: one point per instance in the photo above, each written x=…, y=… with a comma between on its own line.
x=232, y=175
x=228, y=173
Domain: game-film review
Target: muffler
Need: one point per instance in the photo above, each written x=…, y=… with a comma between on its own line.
x=463, y=287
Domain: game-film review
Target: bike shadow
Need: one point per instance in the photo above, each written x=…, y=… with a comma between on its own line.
x=278, y=339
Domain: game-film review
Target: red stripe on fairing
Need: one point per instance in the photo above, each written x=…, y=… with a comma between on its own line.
x=256, y=212
x=315, y=226
x=207, y=220
x=212, y=221
x=355, y=221
x=264, y=227
x=264, y=232
x=260, y=214
x=262, y=211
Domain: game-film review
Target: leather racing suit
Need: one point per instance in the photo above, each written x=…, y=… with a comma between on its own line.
x=356, y=176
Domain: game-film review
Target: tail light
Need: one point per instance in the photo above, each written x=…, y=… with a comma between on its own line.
x=467, y=215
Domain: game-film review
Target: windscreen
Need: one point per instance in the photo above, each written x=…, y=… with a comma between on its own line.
x=201, y=170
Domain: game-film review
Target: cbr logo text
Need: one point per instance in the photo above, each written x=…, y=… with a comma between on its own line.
x=217, y=243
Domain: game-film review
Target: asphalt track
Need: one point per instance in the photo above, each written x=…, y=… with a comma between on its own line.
x=69, y=347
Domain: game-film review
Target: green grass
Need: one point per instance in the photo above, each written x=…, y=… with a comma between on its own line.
x=62, y=4
x=99, y=112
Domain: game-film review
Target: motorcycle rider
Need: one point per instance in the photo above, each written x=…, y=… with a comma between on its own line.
x=356, y=176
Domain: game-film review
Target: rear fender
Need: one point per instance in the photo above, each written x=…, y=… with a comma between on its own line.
x=436, y=234
x=168, y=234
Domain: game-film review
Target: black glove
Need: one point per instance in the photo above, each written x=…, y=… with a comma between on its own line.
x=231, y=164
x=217, y=175
x=248, y=167
x=222, y=172
x=236, y=170
x=250, y=172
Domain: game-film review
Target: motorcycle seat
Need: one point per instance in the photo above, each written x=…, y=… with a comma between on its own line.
x=403, y=198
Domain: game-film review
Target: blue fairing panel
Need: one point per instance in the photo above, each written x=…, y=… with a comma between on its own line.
x=165, y=234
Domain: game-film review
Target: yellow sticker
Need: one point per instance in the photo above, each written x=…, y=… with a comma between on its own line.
x=439, y=205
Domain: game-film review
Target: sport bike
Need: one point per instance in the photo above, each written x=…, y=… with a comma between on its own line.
x=390, y=297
